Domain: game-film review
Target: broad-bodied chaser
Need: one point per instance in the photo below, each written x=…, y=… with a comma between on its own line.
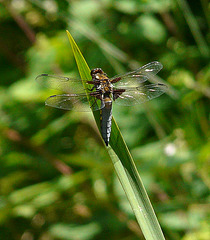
x=126, y=89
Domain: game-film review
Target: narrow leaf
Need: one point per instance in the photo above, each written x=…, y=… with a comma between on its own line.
x=124, y=166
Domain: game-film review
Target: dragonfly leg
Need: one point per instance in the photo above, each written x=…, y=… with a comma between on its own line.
x=117, y=93
x=93, y=104
x=116, y=80
x=91, y=89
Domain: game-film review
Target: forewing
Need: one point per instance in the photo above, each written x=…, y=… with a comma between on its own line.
x=135, y=78
x=76, y=102
x=134, y=96
x=64, y=84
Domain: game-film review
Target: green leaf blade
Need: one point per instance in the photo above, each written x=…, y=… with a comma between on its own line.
x=124, y=166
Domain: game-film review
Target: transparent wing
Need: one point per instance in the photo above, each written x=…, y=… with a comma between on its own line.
x=64, y=84
x=134, y=78
x=139, y=95
x=76, y=102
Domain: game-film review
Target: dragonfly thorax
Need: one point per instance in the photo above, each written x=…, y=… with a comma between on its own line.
x=101, y=81
x=98, y=74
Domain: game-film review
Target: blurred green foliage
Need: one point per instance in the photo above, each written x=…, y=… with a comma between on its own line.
x=56, y=179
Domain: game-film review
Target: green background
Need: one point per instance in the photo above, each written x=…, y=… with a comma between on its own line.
x=56, y=178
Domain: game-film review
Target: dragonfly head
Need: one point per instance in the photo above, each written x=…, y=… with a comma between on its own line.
x=98, y=74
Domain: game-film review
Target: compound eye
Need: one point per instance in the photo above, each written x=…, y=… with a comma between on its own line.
x=96, y=71
x=97, y=77
x=99, y=70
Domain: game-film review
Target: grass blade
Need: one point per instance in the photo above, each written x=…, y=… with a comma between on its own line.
x=194, y=27
x=124, y=166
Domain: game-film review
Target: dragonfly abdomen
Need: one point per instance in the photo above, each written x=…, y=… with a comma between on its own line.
x=106, y=121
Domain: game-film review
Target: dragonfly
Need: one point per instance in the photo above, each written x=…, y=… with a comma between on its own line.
x=127, y=89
